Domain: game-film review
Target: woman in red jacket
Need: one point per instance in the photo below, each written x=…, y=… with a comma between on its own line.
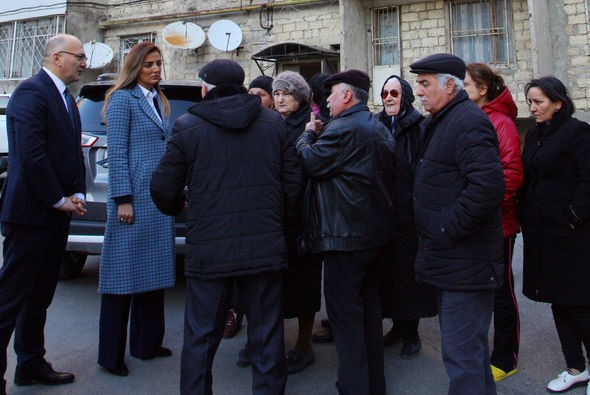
x=488, y=91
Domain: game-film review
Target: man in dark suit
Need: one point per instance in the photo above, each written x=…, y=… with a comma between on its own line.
x=45, y=185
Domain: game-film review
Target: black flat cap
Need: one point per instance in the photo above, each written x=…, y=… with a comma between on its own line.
x=222, y=71
x=352, y=77
x=443, y=63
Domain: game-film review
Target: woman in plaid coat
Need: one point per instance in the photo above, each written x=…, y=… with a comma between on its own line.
x=137, y=260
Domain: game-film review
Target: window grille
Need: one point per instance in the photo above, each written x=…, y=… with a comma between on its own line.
x=22, y=44
x=481, y=30
x=385, y=40
x=129, y=41
x=6, y=41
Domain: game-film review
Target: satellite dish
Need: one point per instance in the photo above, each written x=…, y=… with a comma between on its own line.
x=185, y=35
x=99, y=54
x=225, y=35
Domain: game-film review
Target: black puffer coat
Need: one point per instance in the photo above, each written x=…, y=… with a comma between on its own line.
x=348, y=201
x=458, y=191
x=556, y=159
x=242, y=178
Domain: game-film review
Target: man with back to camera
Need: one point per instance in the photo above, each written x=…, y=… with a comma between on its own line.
x=348, y=217
x=458, y=190
x=243, y=184
x=45, y=185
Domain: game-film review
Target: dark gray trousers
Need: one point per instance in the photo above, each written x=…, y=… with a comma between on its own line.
x=206, y=307
x=464, y=318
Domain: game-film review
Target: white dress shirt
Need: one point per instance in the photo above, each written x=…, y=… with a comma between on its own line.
x=150, y=96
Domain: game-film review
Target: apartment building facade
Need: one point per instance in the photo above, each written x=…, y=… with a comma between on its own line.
x=520, y=38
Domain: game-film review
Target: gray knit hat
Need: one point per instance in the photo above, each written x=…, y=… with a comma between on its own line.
x=294, y=84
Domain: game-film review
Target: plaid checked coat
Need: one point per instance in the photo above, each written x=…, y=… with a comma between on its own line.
x=138, y=257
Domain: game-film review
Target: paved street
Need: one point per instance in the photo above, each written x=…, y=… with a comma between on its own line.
x=72, y=333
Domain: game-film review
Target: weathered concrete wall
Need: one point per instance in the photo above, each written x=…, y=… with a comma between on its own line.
x=541, y=36
x=83, y=22
x=354, y=24
x=571, y=39
x=311, y=23
x=550, y=36
x=7, y=86
x=424, y=31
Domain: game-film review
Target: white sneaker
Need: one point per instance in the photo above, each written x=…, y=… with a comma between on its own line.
x=565, y=380
x=588, y=389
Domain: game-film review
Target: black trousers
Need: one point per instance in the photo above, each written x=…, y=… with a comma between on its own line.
x=28, y=278
x=206, y=307
x=146, y=329
x=506, y=318
x=408, y=328
x=351, y=288
x=573, y=328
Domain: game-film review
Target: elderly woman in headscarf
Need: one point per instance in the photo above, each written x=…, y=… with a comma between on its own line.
x=403, y=299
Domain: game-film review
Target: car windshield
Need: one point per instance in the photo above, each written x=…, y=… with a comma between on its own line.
x=91, y=114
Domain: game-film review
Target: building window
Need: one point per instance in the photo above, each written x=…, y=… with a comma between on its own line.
x=481, y=31
x=22, y=44
x=385, y=39
x=128, y=42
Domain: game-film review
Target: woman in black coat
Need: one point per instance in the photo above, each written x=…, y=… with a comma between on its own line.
x=302, y=285
x=403, y=299
x=553, y=208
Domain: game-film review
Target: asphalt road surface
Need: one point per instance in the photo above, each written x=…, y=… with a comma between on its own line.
x=72, y=336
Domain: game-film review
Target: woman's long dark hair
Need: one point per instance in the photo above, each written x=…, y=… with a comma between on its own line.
x=554, y=90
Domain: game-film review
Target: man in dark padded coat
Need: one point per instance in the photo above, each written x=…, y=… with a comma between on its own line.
x=348, y=217
x=458, y=189
x=243, y=184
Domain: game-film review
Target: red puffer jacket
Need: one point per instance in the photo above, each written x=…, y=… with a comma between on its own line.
x=502, y=111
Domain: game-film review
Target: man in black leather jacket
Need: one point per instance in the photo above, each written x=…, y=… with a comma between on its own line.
x=458, y=191
x=348, y=217
x=244, y=183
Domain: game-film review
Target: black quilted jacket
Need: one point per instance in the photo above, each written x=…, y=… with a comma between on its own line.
x=243, y=182
x=458, y=190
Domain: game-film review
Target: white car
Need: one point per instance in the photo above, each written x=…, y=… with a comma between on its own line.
x=3, y=135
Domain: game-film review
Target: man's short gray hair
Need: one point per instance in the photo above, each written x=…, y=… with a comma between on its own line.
x=443, y=78
x=360, y=95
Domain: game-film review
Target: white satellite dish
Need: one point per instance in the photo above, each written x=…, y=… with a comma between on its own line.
x=98, y=54
x=225, y=35
x=185, y=35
